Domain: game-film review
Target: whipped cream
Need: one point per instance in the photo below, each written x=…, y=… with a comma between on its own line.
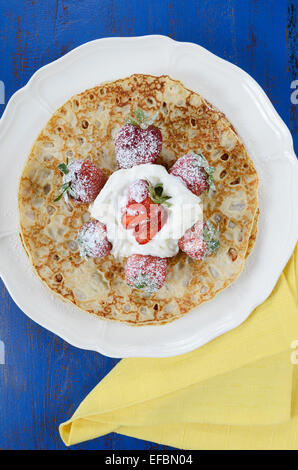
x=184, y=211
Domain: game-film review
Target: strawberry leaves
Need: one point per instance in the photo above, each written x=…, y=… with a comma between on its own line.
x=210, y=237
x=143, y=281
x=65, y=186
x=203, y=163
x=140, y=286
x=140, y=118
x=63, y=168
x=157, y=196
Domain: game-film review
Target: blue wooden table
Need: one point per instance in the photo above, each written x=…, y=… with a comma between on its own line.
x=44, y=379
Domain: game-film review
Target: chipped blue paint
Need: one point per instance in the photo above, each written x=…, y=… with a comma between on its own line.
x=44, y=379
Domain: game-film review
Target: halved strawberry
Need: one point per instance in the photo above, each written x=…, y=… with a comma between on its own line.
x=195, y=171
x=135, y=213
x=92, y=240
x=146, y=272
x=200, y=240
x=152, y=224
x=138, y=141
x=82, y=180
x=147, y=217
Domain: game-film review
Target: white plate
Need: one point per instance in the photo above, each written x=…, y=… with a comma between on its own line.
x=268, y=142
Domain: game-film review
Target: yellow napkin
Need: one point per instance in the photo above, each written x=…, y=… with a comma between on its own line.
x=238, y=392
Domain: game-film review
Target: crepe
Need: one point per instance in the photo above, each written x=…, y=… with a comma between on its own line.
x=86, y=126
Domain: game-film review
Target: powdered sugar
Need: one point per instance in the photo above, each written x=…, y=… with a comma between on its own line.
x=192, y=242
x=146, y=272
x=138, y=191
x=193, y=175
x=136, y=146
x=85, y=180
x=200, y=240
x=184, y=211
x=92, y=240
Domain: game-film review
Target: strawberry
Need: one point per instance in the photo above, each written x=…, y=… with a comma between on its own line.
x=145, y=218
x=146, y=272
x=138, y=141
x=195, y=171
x=82, y=180
x=200, y=240
x=92, y=240
x=152, y=223
x=138, y=191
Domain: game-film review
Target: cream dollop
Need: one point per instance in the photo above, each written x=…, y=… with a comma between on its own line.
x=185, y=209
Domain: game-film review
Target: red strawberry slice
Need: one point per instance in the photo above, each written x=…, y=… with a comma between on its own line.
x=135, y=213
x=92, y=240
x=200, y=240
x=149, y=227
x=82, y=180
x=146, y=219
x=195, y=171
x=146, y=272
x=137, y=142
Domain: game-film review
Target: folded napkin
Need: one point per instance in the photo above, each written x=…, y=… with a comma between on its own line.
x=239, y=391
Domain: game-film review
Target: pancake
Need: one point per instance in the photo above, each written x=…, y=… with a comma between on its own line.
x=253, y=234
x=86, y=126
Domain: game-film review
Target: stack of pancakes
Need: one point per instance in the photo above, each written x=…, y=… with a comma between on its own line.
x=86, y=127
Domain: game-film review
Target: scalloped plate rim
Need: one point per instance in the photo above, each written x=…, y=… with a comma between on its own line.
x=132, y=351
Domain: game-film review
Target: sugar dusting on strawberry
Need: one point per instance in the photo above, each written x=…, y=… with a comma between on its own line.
x=138, y=191
x=195, y=172
x=92, y=240
x=146, y=272
x=138, y=141
x=82, y=180
x=200, y=240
